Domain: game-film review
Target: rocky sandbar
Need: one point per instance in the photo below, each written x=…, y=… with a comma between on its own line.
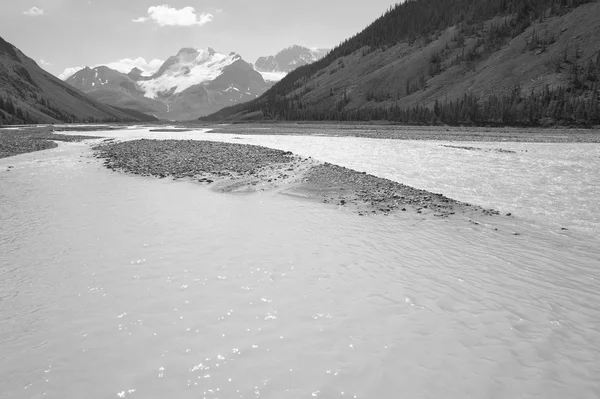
x=231, y=167
x=23, y=140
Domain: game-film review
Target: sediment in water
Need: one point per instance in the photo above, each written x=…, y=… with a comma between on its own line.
x=229, y=167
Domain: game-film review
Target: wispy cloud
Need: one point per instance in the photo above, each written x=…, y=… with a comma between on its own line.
x=125, y=66
x=68, y=72
x=34, y=12
x=167, y=16
x=45, y=63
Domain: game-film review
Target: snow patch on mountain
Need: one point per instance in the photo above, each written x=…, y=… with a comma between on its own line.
x=188, y=68
x=275, y=67
x=192, y=83
x=124, y=66
x=272, y=76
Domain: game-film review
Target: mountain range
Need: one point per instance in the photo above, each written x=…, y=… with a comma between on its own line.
x=482, y=62
x=477, y=62
x=275, y=67
x=28, y=94
x=192, y=83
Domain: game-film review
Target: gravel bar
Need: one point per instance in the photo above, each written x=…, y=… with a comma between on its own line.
x=20, y=141
x=231, y=167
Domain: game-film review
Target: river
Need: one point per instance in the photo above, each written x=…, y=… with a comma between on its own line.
x=123, y=286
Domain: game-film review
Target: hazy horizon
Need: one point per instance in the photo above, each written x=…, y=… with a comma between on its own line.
x=63, y=34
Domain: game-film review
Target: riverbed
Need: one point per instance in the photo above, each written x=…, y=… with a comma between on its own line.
x=125, y=286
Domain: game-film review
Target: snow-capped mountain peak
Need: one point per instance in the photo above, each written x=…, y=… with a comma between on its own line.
x=188, y=68
x=89, y=78
x=191, y=83
x=275, y=67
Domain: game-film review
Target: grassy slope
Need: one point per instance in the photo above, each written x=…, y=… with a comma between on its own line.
x=383, y=72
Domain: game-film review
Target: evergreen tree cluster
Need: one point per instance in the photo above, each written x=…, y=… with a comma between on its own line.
x=13, y=114
x=547, y=107
x=16, y=115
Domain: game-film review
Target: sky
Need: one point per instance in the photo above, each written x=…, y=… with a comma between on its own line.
x=62, y=35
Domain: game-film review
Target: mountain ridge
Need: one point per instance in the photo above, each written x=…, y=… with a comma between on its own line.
x=191, y=83
x=289, y=59
x=428, y=61
x=28, y=94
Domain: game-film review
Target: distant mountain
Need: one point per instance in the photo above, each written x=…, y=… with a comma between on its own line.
x=28, y=94
x=116, y=88
x=477, y=62
x=193, y=83
x=275, y=67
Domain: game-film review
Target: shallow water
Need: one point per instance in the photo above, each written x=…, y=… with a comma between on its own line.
x=551, y=185
x=557, y=185
x=121, y=286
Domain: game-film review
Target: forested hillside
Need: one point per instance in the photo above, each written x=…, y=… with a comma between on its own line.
x=526, y=62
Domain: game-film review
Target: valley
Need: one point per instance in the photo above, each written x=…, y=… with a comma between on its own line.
x=412, y=212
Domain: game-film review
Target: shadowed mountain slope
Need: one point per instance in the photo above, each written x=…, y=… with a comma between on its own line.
x=526, y=62
x=28, y=94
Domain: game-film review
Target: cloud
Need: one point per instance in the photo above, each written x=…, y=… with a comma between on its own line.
x=166, y=16
x=45, y=63
x=34, y=12
x=68, y=72
x=125, y=66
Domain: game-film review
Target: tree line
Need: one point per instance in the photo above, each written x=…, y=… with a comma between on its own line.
x=550, y=106
x=13, y=114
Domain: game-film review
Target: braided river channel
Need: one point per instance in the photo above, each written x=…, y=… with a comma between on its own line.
x=119, y=286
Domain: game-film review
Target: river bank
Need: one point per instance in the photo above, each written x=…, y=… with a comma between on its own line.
x=430, y=133
x=22, y=140
x=229, y=167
